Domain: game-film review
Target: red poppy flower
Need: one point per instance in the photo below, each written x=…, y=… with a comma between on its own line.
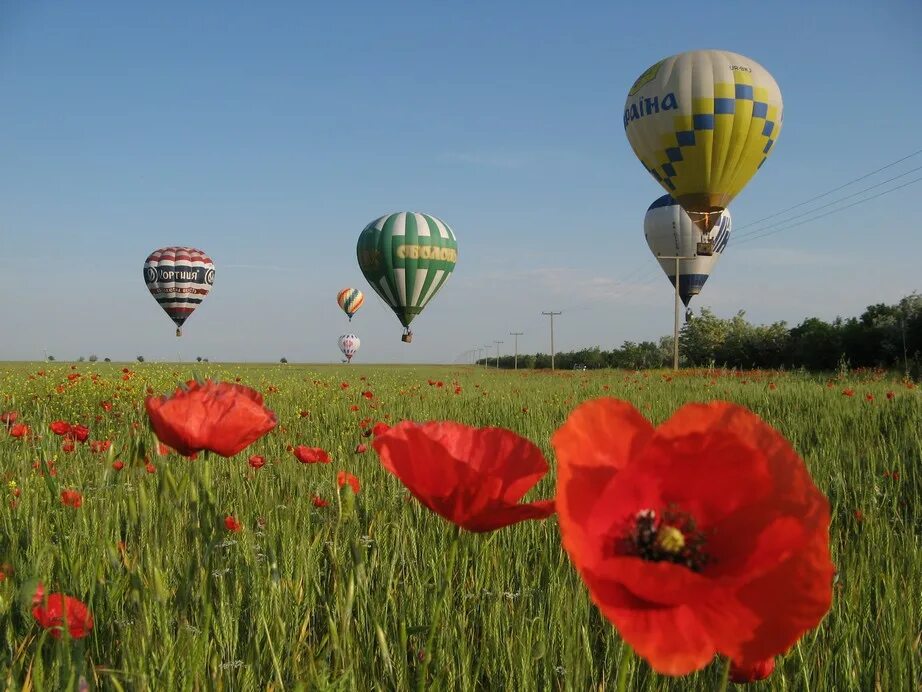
x=221, y=417
x=9, y=417
x=890, y=395
x=752, y=672
x=80, y=432
x=73, y=376
x=368, y=395
x=304, y=414
x=848, y=392
x=106, y=406
x=354, y=407
x=344, y=385
x=150, y=468
x=380, y=429
x=118, y=464
x=343, y=478
x=100, y=446
x=319, y=501
x=257, y=462
x=361, y=448
x=474, y=477
x=19, y=430
x=71, y=498
x=68, y=446
x=311, y=455
x=457, y=390
x=231, y=524
x=59, y=611
x=703, y=536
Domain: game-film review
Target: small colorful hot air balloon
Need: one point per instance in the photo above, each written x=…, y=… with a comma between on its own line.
x=702, y=123
x=350, y=300
x=407, y=257
x=178, y=278
x=670, y=232
x=349, y=344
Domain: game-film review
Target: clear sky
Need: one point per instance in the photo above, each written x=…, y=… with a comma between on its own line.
x=269, y=134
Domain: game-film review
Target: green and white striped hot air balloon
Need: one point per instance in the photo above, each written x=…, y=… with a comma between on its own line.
x=407, y=257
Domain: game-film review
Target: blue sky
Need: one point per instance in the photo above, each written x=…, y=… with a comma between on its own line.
x=269, y=134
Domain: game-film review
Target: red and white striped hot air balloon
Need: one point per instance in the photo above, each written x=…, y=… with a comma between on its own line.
x=178, y=278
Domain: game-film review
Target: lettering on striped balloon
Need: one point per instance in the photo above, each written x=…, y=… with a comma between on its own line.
x=427, y=252
x=648, y=106
x=182, y=274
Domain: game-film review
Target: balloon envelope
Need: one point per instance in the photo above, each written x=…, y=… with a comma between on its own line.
x=350, y=300
x=407, y=257
x=671, y=232
x=179, y=278
x=349, y=344
x=702, y=123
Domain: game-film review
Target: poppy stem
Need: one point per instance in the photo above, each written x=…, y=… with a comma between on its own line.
x=724, y=676
x=624, y=665
x=439, y=607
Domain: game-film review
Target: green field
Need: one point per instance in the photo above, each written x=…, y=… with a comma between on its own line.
x=341, y=597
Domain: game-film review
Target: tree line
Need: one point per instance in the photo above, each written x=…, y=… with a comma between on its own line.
x=888, y=336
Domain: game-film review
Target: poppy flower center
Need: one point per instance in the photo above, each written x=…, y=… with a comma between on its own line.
x=672, y=537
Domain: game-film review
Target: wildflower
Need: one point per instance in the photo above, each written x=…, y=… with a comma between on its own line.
x=311, y=455
x=709, y=526
x=220, y=417
x=344, y=478
x=473, y=477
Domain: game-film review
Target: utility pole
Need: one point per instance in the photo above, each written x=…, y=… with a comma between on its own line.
x=516, y=357
x=497, y=351
x=675, y=331
x=552, y=313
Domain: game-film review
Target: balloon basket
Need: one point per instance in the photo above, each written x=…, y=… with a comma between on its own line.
x=178, y=331
x=705, y=248
x=407, y=338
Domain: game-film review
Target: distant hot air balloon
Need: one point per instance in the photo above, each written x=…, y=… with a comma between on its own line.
x=178, y=278
x=350, y=300
x=349, y=345
x=670, y=232
x=702, y=123
x=407, y=257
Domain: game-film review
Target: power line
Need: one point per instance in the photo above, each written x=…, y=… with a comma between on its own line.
x=833, y=211
x=835, y=189
x=828, y=204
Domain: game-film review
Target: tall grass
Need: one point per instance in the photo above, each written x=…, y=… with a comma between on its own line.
x=342, y=597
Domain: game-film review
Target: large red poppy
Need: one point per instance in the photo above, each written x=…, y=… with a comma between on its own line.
x=58, y=611
x=705, y=535
x=474, y=477
x=221, y=417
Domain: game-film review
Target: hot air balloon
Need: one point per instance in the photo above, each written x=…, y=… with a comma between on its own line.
x=702, y=123
x=178, y=278
x=670, y=232
x=407, y=257
x=350, y=300
x=349, y=345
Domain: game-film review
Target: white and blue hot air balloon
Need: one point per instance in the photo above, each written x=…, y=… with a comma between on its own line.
x=670, y=232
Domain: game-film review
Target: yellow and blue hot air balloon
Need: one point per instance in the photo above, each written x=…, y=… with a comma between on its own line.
x=702, y=123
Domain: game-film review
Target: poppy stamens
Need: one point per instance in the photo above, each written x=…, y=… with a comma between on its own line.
x=671, y=538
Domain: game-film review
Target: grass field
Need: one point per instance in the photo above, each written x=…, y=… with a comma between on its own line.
x=341, y=597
